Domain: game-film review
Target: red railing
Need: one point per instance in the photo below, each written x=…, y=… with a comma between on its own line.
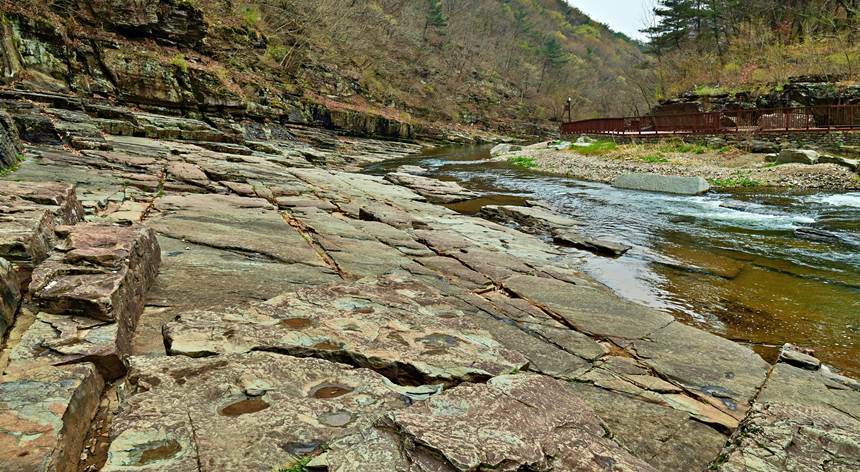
x=760, y=120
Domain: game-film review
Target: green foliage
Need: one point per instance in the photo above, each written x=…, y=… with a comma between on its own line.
x=435, y=15
x=597, y=148
x=736, y=181
x=300, y=465
x=654, y=159
x=523, y=161
x=251, y=16
x=708, y=91
x=178, y=60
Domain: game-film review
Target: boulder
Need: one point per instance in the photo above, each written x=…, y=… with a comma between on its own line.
x=798, y=156
x=852, y=164
x=500, y=149
x=45, y=415
x=435, y=191
x=384, y=324
x=662, y=183
x=515, y=422
x=763, y=147
x=255, y=411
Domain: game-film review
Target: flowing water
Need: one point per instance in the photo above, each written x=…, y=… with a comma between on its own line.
x=732, y=263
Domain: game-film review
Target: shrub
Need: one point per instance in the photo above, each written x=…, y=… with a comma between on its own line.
x=178, y=60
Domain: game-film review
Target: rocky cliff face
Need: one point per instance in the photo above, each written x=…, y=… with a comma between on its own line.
x=135, y=53
x=799, y=92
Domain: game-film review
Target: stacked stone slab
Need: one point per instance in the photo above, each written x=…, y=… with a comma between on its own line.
x=87, y=284
x=29, y=213
x=91, y=292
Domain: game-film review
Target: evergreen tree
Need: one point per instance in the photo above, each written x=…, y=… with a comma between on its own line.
x=435, y=18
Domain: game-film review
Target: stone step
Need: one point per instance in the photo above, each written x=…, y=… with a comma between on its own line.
x=44, y=417
x=99, y=271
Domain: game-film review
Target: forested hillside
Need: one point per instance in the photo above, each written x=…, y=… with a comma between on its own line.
x=724, y=45
x=492, y=64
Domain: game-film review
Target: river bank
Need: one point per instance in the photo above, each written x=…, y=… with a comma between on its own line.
x=307, y=315
x=722, y=167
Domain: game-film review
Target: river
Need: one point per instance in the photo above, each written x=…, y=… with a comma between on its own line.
x=732, y=263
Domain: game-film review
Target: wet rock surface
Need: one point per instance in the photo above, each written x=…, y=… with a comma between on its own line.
x=394, y=331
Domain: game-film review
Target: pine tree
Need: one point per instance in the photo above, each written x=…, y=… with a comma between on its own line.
x=435, y=17
x=553, y=54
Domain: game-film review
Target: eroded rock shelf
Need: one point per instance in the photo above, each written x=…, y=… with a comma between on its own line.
x=250, y=303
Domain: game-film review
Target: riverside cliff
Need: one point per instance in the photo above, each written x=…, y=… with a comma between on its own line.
x=213, y=288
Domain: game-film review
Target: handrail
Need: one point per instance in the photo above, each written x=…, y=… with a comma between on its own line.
x=757, y=120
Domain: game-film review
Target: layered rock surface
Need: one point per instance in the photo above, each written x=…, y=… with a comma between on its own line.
x=301, y=308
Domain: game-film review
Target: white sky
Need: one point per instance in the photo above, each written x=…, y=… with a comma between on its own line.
x=626, y=16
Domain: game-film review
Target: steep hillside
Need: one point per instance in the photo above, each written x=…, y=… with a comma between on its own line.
x=723, y=46
x=416, y=67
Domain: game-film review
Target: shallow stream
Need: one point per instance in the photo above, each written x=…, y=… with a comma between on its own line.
x=740, y=264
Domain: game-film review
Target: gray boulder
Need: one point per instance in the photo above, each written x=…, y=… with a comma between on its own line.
x=763, y=147
x=663, y=183
x=852, y=164
x=798, y=156
x=504, y=149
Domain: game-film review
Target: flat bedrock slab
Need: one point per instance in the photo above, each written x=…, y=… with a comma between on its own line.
x=722, y=372
x=255, y=411
x=662, y=183
x=44, y=417
x=802, y=420
x=434, y=190
x=100, y=271
x=514, y=422
x=404, y=330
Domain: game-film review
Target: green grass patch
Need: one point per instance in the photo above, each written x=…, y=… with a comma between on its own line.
x=597, y=148
x=523, y=161
x=736, y=181
x=654, y=159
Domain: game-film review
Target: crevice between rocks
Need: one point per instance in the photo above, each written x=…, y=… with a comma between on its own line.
x=308, y=234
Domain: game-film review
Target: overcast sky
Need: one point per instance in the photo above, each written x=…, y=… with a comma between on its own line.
x=626, y=16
